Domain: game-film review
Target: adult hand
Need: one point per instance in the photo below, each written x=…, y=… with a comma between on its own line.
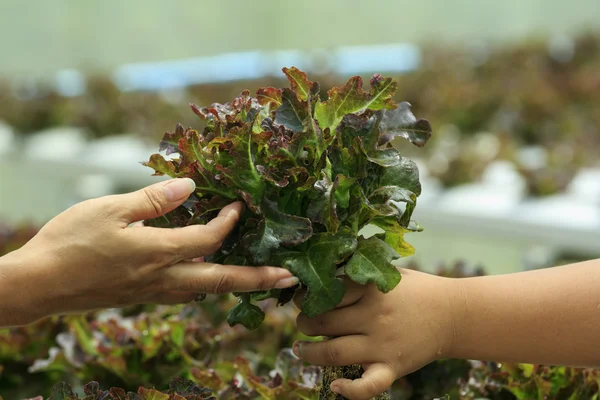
x=87, y=258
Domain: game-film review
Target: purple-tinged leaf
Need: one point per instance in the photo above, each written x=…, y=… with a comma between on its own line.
x=201, y=112
x=351, y=98
x=206, y=209
x=62, y=391
x=179, y=217
x=188, y=390
x=299, y=82
x=269, y=96
x=162, y=166
x=401, y=122
x=274, y=230
x=170, y=142
x=236, y=164
x=118, y=394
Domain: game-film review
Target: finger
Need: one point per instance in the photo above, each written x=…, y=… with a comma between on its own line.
x=354, y=292
x=333, y=323
x=376, y=379
x=170, y=298
x=154, y=200
x=224, y=223
x=344, y=350
x=298, y=297
x=198, y=240
x=201, y=277
x=197, y=259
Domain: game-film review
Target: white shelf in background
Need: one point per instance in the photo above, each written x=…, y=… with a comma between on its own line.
x=56, y=144
x=7, y=138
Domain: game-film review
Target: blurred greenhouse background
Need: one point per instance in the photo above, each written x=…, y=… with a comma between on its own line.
x=511, y=178
x=511, y=175
x=41, y=37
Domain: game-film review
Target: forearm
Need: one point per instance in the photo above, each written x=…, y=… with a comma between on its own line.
x=18, y=292
x=549, y=316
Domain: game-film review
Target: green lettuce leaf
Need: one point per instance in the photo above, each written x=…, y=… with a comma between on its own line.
x=245, y=313
x=316, y=266
x=372, y=263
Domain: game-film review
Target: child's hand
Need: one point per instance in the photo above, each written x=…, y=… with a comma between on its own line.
x=548, y=316
x=390, y=334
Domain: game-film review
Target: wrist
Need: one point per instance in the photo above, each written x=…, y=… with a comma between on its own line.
x=457, y=305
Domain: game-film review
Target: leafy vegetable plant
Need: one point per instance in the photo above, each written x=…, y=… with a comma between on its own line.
x=157, y=345
x=313, y=172
x=289, y=379
x=527, y=381
x=179, y=389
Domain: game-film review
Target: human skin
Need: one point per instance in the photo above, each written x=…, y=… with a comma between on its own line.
x=89, y=257
x=549, y=316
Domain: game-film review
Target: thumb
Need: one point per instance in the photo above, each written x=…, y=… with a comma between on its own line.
x=155, y=200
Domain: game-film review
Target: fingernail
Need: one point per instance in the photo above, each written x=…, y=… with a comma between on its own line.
x=200, y=297
x=297, y=348
x=287, y=282
x=335, y=389
x=179, y=188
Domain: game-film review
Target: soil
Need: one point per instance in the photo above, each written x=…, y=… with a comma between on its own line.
x=330, y=374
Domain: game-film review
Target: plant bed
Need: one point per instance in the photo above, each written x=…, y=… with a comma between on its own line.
x=236, y=354
x=230, y=380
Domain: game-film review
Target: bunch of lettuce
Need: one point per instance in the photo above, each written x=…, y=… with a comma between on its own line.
x=313, y=170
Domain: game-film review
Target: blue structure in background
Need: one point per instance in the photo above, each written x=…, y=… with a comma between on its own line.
x=161, y=75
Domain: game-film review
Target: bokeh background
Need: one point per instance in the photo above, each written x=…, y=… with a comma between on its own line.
x=511, y=177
